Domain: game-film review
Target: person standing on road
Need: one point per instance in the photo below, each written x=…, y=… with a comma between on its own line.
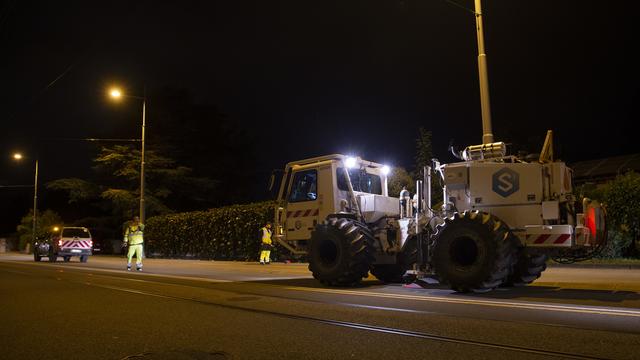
x=405, y=198
x=134, y=238
x=266, y=245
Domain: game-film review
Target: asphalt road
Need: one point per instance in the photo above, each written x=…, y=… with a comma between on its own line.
x=179, y=309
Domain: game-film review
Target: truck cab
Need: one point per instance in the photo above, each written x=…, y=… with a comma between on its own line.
x=315, y=188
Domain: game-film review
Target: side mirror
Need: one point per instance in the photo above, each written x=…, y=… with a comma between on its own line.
x=272, y=181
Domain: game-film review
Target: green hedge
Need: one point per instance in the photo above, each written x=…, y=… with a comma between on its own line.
x=231, y=233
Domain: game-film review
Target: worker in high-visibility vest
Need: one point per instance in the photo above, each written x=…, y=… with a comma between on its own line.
x=266, y=244
x=134, y=238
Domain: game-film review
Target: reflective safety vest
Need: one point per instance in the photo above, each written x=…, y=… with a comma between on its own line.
x=266, y=235
x=134, y=234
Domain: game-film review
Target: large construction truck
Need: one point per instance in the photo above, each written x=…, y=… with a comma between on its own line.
x=501, y=219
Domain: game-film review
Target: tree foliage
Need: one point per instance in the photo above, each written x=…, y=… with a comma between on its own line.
x=78, y=190
x=45, y=222
x=398, y=178
x=201, y=137
x=622, y=201
x=168, y=186
x=424, y=150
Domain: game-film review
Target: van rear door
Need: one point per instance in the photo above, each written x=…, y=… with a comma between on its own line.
x=75, y=240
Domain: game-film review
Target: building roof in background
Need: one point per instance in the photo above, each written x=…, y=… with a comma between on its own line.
x=603, y=169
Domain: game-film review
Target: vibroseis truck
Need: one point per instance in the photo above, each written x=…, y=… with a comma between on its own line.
x=501, y=218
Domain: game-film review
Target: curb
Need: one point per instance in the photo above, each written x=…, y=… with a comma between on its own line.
x=592, y=266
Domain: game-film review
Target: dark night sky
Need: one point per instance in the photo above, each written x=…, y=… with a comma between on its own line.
x=316, y=77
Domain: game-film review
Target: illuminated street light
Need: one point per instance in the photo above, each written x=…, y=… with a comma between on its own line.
x=115, y=93
x=18, y=157
x=55, y=229
x=385, y=170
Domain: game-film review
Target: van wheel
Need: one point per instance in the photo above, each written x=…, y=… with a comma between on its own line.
x=84, y=258
x=66, y=258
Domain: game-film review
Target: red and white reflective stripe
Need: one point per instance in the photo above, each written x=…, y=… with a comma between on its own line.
x=303, y=213
x=556, y=239
x=76, y=244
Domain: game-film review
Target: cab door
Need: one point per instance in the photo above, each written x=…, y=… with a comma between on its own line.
x=302, y=205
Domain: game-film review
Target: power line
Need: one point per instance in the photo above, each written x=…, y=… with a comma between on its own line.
x=93, y=139
x=460, y=6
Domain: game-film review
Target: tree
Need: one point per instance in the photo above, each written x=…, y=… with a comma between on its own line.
x=424, y=157
x=199, y=136
x=398, y=178
x=45, y=222
x=169, y=187
x=622, y=201
x=424, y=150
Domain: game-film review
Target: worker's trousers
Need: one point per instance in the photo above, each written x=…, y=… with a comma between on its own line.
x=264, y=256
x=135, y=249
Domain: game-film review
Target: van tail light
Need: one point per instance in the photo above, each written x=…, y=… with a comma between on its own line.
x=59, y=242
x=90, y=242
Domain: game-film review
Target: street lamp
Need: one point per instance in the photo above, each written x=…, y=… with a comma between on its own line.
x=116, y=94
x=18, y=157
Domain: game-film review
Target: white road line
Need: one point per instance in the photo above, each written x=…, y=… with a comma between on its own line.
x=123, y=272
x=492, y=303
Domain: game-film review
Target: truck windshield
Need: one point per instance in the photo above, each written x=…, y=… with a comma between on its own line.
x=81, y=233
x=361, y=181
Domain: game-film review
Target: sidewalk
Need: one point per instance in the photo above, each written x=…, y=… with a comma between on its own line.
x=553, y=264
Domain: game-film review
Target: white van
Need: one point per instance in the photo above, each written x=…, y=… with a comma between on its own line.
x=74, y=241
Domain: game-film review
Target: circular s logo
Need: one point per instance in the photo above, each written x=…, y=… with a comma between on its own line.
x=505, y=182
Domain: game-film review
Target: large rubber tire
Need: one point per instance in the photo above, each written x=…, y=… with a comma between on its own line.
x=527, y=269
x=389, y=273
x=84, y=258
x=340, y=252
x=472, y=252
x=66, y=258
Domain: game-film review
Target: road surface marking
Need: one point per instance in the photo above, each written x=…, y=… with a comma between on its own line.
x=362, y=326
x=122, y=272
x=493, y=303
x=481, y=302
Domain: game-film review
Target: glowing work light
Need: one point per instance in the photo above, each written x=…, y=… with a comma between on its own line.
x=350, y=162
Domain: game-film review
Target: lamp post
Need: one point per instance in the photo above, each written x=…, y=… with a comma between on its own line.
x=117, y=94
x=18, y=157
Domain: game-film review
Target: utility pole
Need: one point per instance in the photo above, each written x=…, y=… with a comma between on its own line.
x=35, y=205
x=144, y=123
